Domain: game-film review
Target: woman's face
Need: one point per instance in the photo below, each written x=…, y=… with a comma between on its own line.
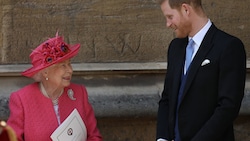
x=60, y=74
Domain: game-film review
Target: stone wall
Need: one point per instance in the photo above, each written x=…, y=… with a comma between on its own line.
x=124, y=97
x=122, y=57
x=108, y=30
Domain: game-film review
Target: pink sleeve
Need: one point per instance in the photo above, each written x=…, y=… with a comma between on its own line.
x=16, y=118
x=91, y=123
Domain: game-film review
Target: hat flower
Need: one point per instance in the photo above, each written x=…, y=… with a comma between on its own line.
x=50, y=52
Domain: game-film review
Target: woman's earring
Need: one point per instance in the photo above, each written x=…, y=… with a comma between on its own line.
x=47, y=78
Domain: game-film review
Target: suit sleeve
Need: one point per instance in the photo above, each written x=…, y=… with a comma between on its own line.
x=162, y=130
x=162, y=116
x=232, y=73
x=93, y=133
x=16, y=117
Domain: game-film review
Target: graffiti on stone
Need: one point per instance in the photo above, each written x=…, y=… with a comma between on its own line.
x=125, y=43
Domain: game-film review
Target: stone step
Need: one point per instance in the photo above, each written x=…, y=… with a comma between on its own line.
x=115, y=89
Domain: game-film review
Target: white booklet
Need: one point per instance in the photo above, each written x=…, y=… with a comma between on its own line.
x=72, y=129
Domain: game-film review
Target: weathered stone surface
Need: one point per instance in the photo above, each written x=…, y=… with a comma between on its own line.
x=138, y=129
x=143, y=129
x=124, y=97
x=111, y=94
x=241, y=128
x=4, y=108
x=108, y=30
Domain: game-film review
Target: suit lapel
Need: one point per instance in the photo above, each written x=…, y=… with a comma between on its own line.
x=200, y=56
x=179, y=60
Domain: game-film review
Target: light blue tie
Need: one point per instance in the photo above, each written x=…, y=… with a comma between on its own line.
x=189, y=53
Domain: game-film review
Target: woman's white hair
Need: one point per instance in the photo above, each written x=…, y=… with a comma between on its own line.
x=38, y=76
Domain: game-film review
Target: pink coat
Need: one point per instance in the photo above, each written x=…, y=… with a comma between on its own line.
x=33, y=118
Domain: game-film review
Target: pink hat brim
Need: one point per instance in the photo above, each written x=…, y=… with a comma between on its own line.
x=33, y=70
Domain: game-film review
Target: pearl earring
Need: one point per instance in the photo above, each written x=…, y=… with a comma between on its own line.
x=47, y=78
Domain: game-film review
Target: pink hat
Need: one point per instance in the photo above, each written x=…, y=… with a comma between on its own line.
x=50, y=52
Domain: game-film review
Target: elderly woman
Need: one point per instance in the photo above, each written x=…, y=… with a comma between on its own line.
x=39, y=108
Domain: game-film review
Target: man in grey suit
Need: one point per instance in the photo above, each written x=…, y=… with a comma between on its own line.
x=200, y=102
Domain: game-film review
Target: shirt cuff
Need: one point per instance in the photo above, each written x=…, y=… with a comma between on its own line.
x=161, y=140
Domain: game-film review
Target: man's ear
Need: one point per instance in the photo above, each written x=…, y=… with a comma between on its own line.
x=185, y=8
